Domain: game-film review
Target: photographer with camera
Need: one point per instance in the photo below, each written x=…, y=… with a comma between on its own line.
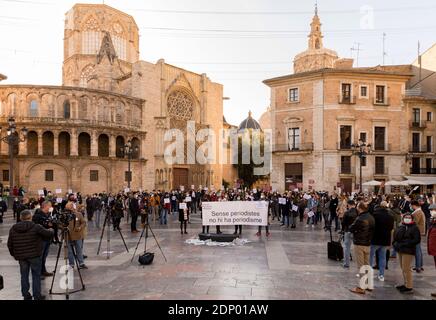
x=25, y=244
x=42, y=217
x=76, y=232
x=117, y=212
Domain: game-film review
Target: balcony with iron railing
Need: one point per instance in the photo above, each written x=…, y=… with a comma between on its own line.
x=302, y=147
x=420, y=149
x=418, y=124
x=422, y=170
x=345, y=99
x=381, y=148
x=380, y=170
x=135, y=124
x=381, y=102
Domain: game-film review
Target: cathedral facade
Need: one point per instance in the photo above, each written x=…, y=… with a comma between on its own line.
x=77, y=131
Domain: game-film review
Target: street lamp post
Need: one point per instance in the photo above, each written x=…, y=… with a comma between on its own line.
x=129, y=150
x=13, y=139
x=361, y=149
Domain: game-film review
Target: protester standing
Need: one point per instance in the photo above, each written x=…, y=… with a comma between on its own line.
x=363, y=231
x=25, y=244
x=419, y=219
x=350, y=216
x=406, y=239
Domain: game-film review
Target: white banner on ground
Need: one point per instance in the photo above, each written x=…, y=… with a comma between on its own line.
x=230, y=213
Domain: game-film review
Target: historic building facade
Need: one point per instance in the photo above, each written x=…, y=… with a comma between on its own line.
x=108, y=97
x=325, y=107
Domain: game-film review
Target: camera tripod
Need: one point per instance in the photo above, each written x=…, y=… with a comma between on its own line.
x=107, y=223
x=65, y=242
x=145, y=228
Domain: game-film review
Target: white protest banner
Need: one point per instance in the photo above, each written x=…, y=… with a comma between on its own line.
x=307, y=197
x=40, y=192
x=58, y=191
x=310, y=214
x=294, y=207
x=282, y=200
x=166, y=200
x=296, y=190
x=126, y=190
x=59, y=200
x=230, y=213
x=182, y=205
x=188, y=199
x=254, y=190
x=173, y=198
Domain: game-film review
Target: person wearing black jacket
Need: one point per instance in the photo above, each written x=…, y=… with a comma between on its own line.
x=363, y=231
x=333, y=214
x=406, y=238
x=41, y=217
x=3, y=209
x=382, y=238
x=134, y=211
x=117, y=212
x=348, y=219
x=25, y=244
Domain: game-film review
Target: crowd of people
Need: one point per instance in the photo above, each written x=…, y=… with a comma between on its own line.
x=380, y=227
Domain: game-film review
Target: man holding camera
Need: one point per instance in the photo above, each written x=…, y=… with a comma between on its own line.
x=25, y=244
x=42, y=217
x=76, y=235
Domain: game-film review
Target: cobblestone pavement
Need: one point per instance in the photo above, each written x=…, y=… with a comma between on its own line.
x=290, y=264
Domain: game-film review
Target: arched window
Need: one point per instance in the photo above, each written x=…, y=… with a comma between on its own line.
x=317, y=46
x=67, y=109
x=64, y=144
x=48, y=143
x=103, y=145
x=33, y=108
x=32, y=143
x=136, y=144
x=120, y=147
x=91, y=37
x=86, y=75
x=84, y=144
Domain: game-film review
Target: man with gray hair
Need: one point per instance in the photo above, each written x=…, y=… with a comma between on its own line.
x=25, y=244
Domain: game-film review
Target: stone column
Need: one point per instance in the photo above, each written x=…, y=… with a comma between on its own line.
x=56, y=143
x=39, y=142
x=112, y=146
x=94, y=144
x=74, y=144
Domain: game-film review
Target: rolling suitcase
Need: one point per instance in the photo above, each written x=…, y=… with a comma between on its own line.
x=334, y=249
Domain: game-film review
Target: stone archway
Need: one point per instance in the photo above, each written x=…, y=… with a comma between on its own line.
x=51, y=175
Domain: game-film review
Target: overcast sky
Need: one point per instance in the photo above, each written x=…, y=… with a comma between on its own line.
x=237, y=43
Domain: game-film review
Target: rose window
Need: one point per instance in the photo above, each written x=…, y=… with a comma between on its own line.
x=180, y=105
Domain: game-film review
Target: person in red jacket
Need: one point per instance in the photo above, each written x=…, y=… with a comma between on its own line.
x=431, y=239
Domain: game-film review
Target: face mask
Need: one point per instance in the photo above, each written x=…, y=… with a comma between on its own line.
x=407, y=221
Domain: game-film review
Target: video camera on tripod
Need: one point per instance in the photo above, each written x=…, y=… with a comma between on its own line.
x=61, y=219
